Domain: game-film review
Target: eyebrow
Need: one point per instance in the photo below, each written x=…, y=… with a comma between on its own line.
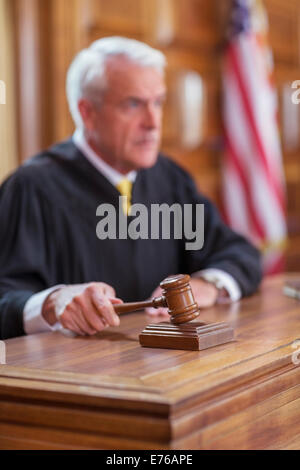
x=138, y=98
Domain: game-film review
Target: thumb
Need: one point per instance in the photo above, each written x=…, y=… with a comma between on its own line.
x=115, y=300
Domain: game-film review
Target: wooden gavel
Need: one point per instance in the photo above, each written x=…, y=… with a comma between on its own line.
x=177, y=296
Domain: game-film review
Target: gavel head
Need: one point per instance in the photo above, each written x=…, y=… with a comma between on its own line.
x=179, y=298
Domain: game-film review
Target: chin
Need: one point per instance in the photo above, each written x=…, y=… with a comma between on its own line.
x=146, y=159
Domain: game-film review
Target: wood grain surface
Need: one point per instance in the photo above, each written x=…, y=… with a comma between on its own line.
x=108, y=392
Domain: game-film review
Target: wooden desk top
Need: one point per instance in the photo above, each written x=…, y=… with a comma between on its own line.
x=106, y=391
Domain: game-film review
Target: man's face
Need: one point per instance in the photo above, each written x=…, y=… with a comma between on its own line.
x=125, y=129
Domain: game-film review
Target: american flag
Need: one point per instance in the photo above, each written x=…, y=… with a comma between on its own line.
x=253, y=181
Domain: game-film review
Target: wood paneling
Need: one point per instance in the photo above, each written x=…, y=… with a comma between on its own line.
x=284, y=25
x=66, y=41
x=33, y=69
x=190, y=33
x=8, y=127
x=124, y=18
x=284, y=30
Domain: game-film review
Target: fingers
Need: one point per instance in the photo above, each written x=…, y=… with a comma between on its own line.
x=115, y=300
x=107, y=289
x=68, y=321
x=105, y=309
x=205, y=293
x=88, y=310
x=161, y=311
x=157, y=312
x=83, y=317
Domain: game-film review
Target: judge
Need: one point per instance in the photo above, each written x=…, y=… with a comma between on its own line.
x=55, y=270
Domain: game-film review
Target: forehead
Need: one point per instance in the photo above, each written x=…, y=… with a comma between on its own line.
x=126, y=78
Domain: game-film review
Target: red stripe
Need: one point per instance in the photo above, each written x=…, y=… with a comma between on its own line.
x=273, y=181
x=225, y=207
x=276, y=187
x=225, y=213
x=233, y=158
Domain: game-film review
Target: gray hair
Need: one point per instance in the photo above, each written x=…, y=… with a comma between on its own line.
x=88, y=67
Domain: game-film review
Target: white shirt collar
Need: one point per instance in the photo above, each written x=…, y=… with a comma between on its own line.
x=113, y=176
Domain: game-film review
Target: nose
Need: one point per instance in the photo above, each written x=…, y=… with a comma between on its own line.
x=152, y=117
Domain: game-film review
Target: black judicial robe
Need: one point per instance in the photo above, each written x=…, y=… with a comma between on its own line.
x=48, y=233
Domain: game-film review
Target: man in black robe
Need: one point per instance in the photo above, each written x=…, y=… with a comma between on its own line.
x=57, y=268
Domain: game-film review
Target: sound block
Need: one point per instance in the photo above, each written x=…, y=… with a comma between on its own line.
x=193, y=336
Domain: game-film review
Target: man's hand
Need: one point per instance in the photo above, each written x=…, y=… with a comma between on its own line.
x=84, y=309
x=161, y=311
x=205, y=294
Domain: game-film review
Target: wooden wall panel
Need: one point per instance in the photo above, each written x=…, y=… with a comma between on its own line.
x=65, y=43
x=284, y=30
x=122, y=17
x=32, y=63
x=8, y=129
x=284, y=25
x=196, y=24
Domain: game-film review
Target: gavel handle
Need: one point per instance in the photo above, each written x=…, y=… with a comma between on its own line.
x=134, y=306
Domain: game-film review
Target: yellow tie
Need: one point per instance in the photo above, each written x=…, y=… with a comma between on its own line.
x=125, y=189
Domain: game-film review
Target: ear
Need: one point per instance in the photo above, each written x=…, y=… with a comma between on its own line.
x=87, y=113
